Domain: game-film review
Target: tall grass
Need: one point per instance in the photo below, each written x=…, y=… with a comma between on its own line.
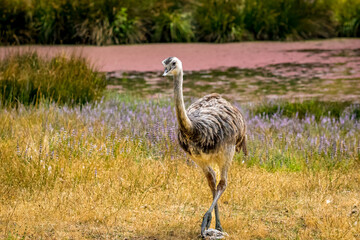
x=61, y=138
x=114, y=169
x=103, y=22
x=28, y=79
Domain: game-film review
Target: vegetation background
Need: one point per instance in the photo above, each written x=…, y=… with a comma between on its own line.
x=81, y=161
x=103, y=22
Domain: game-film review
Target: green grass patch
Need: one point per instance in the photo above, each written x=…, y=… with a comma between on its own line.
x=302, y=109
x=27, y=79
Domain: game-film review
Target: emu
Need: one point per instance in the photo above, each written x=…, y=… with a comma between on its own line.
x=210, y=132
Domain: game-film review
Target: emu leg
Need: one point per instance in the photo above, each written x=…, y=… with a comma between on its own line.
x=211, y=178
x=219, y=191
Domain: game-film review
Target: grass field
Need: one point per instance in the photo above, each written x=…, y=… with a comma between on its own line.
x=115, y=170
x=166, y=200
x=112, y=169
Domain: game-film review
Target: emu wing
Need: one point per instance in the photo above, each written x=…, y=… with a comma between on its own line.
x=215, y=122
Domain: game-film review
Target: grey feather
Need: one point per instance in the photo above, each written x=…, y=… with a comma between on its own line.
x=215, y=122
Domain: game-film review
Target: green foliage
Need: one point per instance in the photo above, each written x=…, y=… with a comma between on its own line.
x=348, y=16
x=15, y=22
x=103, y=22
x=27, y=79
x=116, y=28
x=288, y=19
x=307, y=108
x=54, y=22
x=170, y=21
x=66, y=21
x=219, y=21
x=173, y=27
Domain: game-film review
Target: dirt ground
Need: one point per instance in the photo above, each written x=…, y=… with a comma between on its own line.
x=203, y=56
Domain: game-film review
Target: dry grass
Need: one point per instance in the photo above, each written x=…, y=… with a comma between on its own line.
x=166, y=200
x=107, y=171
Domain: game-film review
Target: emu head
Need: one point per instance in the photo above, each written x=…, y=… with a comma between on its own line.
x=173, y=66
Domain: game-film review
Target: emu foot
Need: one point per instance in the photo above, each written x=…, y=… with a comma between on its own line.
x=205, y=223
x=213, y=234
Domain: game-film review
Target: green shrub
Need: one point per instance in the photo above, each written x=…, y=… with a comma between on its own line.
x=27, y=79
x=116, y=28
x=173, y=27
x=348, y=16
x=219, y=20
x=55, y=21
x=15, y=22
x=69, y=21
x=104, y=22
x=289, y=19
x=169, y=21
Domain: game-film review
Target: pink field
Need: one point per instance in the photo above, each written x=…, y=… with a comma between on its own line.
x=203, y=56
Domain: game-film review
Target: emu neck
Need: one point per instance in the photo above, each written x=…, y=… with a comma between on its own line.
x=183, y=120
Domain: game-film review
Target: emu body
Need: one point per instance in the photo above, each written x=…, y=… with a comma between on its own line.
x=210, y=131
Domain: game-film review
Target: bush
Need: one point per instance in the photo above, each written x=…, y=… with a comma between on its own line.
x=348, y=16
x=66, y=21
x=104, y=22
x=54, y=23
x=15, y=22
x=218, y=21
x=289, y=19
x=173, y=27
x=27, y=79
x=116, y=28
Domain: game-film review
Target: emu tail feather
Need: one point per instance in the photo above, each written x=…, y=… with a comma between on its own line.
x=242, y=146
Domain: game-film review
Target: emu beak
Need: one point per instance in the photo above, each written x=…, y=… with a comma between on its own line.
x=166, y=69
x=165, y=72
